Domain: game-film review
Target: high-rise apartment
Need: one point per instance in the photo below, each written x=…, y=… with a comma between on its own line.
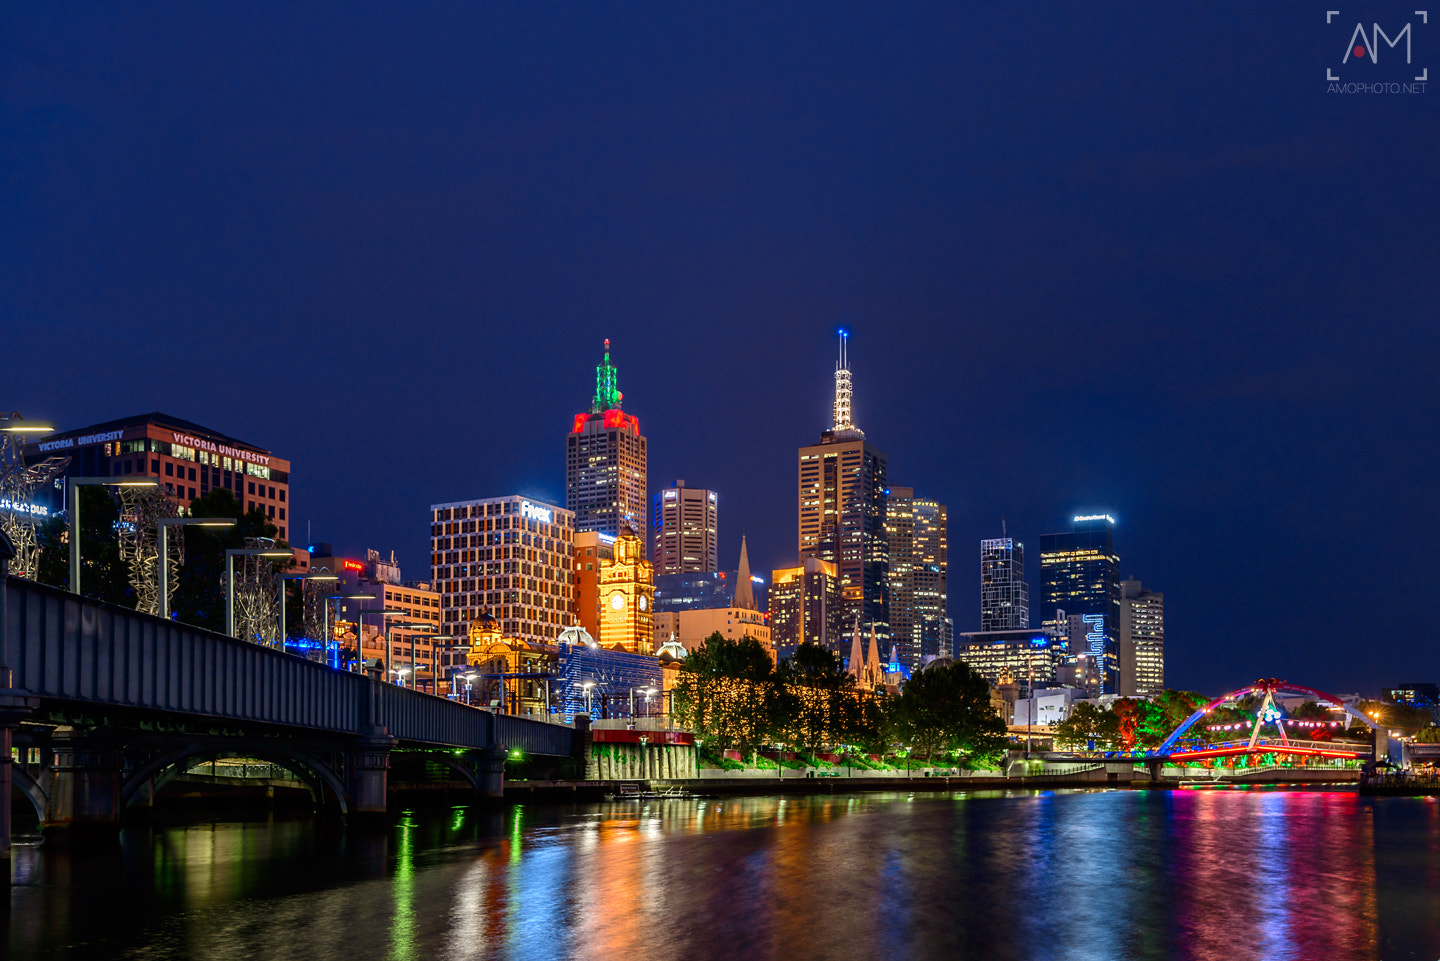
x=510, y=557
x=916, y=533
x=606, y=463
x=842, y=508
x=1079, y=572
x=1004, y=595
x=683, y=521
x=1142, y=640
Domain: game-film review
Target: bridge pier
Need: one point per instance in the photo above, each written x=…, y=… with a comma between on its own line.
x=84, y=786
x=370, y=773
x=490, y=773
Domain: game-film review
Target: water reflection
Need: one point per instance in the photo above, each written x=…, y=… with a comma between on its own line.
x=1215, y=874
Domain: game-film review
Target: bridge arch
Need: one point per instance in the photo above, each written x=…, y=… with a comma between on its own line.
x=318, y=776
x=1261, y=687
x=30, y=788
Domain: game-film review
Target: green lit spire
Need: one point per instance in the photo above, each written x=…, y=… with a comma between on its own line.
x=607, y=393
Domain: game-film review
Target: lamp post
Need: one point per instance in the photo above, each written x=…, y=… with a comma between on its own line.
x=351, y=597
x=434, y=664
x=411, y=626
x=163, y=528
x=587, y=686
x=401, y=672
x=318, y=577
x=384, y=612
x=469, y=679
x=72, y=497
x=230, y=556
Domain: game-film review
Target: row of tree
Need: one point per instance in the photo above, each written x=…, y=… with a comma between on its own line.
x=733, y=696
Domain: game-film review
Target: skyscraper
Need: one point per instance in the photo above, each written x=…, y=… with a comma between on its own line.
x=684, y=521
x=606, y=463
x=842, y=506
x=1079, y=575
x=1142, y=640
x=806, y=605
x=916, y=533
x=1004, y=595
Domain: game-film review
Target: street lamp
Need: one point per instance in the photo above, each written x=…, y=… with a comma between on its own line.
x=587, y=686
x=317, y=577
x=402, y=671
x=384, y=613
x=230, y=556
x=403, y=625
x=469, y=679
x=352, y=597
x=434, y=664
x=647, y=691
x=164, y=526
x=15, y=424
x=73, y=504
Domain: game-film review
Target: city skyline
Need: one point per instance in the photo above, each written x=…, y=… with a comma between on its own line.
x=1086, y=303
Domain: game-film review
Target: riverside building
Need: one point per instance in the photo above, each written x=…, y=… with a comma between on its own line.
x=187, y=459
x=511, y=557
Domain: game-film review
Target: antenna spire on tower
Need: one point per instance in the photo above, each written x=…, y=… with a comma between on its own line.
x=843, y=388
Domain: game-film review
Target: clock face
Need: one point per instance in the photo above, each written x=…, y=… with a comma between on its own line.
x=618, y=602
x=642, y=602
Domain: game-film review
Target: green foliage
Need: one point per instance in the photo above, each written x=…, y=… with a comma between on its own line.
x=1396, y=717
x=1088, y=724
x=947, y=709
x=103, y=575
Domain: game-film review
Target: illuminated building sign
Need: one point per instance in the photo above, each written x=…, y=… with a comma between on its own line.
x=19, y=507
x=1095, y=517
x=185, y=440
x=1095, y=636
x=82, y=440
x=670, y=495
x=352, y=565
x=542, y=514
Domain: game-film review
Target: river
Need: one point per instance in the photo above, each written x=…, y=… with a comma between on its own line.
x=1205, y=874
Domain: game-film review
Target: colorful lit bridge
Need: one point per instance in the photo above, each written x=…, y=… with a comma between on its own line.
x=1267, y=732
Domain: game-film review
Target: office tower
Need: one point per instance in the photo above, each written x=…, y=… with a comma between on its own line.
x=683, y=521
x=627, y=597
x=1142, y=640
x=188, y=460
x=1004, y=595
x=510, y=557
x=916, y=533
x=806, y=605
x=842, y=503
x=606, y=463
x=741, y=617
x=1079, y=575
x=1025, y=655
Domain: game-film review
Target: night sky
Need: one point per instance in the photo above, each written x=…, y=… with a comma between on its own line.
x=1130, y=258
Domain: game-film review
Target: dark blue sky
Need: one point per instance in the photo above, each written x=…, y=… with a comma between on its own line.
x=1130, y=257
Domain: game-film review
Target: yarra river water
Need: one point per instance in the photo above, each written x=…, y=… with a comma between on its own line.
x=1207, y=874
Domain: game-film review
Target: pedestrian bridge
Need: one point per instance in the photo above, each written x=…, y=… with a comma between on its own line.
x=106, y=702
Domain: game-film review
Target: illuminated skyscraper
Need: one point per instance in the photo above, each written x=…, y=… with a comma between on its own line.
x=1004, y=595
x=606, y=463
x=842, y=507
x=1080, y=575
x=1142, y=640
x=916, y=533
x=683, y=519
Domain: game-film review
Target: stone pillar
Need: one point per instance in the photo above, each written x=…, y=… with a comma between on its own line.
x=491, y=771
x=580, y=748
x=84, y=786
x=370, y=773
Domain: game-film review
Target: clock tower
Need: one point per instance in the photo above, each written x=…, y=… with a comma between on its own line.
x=627, y=597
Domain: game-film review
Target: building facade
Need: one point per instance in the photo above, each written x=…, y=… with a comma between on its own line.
x=627, y=597
x=511, y=557
x=1033, y=656
x=188, y=460
x=1142, y=640
x=683, y=520
x=1080, y=575
x=606, y=463
x=592, y=551
x=806, y=605
x=917, y=534
x=1004, y=595
x=842, y=510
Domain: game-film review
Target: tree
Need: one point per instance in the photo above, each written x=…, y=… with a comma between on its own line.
x=727, y=693
x=1088, y=727
x=812, y=696
x=1164, y=712
x=947, y=709
x=103, y=575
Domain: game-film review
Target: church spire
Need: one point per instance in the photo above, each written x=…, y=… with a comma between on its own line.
x=607, y=390
x=744, y=592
